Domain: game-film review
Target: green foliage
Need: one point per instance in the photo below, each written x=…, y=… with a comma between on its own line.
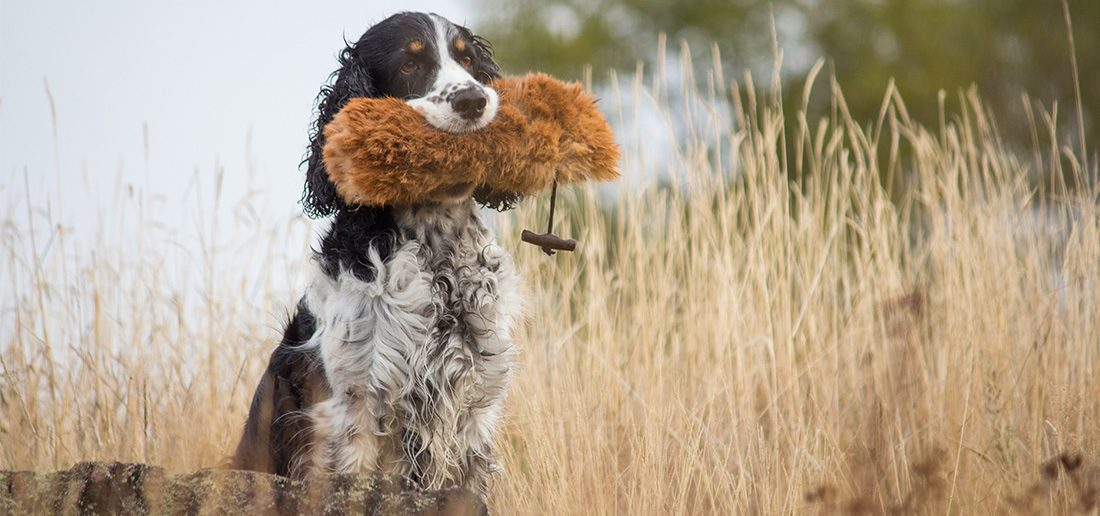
x=1005, y=47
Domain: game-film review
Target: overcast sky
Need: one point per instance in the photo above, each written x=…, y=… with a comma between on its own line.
x=204, y=76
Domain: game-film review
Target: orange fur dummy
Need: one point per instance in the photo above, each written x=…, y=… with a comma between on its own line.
x=382, y=152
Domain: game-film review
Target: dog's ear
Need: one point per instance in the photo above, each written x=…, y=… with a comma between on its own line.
x=351, y=80
x=487, y=69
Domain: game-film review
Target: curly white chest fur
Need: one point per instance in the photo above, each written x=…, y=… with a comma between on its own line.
x=420, y=358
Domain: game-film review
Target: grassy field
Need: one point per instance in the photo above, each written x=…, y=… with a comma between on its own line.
x=809, y=316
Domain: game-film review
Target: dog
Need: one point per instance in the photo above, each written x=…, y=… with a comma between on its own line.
x=398, y=357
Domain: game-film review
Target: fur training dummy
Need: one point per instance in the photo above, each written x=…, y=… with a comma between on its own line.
x=383, y=152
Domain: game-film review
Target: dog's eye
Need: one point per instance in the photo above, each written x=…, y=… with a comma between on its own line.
x=466, y=61
x=408, y=67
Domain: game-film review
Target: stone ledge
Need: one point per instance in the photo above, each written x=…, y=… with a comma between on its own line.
x=119, y=488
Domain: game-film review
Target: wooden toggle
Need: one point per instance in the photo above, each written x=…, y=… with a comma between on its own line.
x=548, y=241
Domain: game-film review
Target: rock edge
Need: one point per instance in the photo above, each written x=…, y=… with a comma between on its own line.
x=121, y=488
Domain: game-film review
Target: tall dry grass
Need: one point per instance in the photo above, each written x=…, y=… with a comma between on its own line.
x=810, y=316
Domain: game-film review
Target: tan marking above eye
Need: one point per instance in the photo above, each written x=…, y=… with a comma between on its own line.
x=460, y=44
x=416, y=46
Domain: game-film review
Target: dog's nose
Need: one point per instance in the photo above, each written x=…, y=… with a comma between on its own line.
x=469, y=103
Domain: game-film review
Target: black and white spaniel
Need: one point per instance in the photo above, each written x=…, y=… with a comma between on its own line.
x=399, y=355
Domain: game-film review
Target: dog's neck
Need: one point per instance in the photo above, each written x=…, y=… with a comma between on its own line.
x=355, y=232
x=441, y=226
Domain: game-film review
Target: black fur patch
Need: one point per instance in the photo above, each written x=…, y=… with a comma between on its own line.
x=353, y=233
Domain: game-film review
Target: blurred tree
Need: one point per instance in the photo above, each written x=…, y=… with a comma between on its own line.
x=560, y=36
x=1006, y=47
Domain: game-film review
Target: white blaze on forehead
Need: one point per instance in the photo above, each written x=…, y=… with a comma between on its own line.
x=450, y=72
x=450, y=78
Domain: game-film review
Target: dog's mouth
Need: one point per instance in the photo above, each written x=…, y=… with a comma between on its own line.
x=454, y=124
x=467, y=126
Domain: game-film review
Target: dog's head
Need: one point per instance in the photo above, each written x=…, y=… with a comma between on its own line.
x=440, y=68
